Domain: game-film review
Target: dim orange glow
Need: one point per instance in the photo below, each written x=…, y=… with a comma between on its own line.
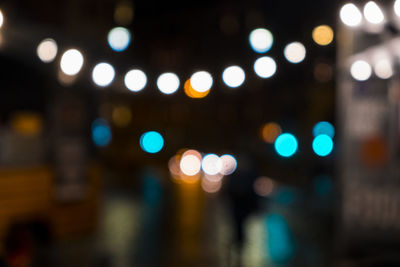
x=270, y=131
x=190, y=92
x=121, y=116
x=211, y=186
x=374, y=152
x=27, y=123
x=323, y=35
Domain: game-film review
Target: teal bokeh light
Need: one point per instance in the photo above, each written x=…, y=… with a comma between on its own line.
x=324, y=127
x=286, y=145
x=101, y=133
x=322, y=145
x=151, y=142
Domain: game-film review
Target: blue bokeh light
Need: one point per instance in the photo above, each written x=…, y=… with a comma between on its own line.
x=286, y=145
x=322, y=145
x=324, y=127
x=281, y=246
x=101, y=133
x=151, y=142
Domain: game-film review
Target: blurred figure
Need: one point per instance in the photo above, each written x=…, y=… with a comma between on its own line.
x=243, y=200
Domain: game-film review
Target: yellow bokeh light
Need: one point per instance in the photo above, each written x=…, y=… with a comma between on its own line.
x=123, y=13
x=270, y=131
x=121, y=116
x=323, y=35
x=27, y=123
x=190, y=92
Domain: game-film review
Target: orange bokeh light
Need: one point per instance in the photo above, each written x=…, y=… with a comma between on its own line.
x=270, y=131
x=190, y=92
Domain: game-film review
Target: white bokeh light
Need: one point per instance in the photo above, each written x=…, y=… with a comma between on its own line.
x=233, y=76
x=383, y=68
x=119, y=39
x=47, y=50
x=265, y=67
x=201, y=81
x=135, y=80
x=71, y=62
x=295, y=52
x=211, y=164
x=168, y=83
x=190, y=165
x=360, y=70
x=350, y=15
x=397, y=8
x=211, y=186
x=103, y=74
x=372, y=13
x=1, y=19
x=229, y=164
x=261, y=40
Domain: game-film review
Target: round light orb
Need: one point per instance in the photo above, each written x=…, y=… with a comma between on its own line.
x=201, y=81
x=263, y=186
x=295, y=52
x=1, y=19
x=350, y=15
x=190, y=164
x=190, y=92
x=47, y=50
x=233, y=76
x=211, y=187
x=323, y=35
x=360, y=70
x=229, y=164
x=71, y=62
x=383, y=68
x=168, y=83
x=103, y=74
x=211, y=164
x=286, y=145
x=322, y=145
x=270, y=131
x=101, y=133
x=373, y=14
x=397, y=8
x=261, y=40
x=151, y=142
x=119, y=39
x=135, y=80
x=265, y=67
x=324, y=127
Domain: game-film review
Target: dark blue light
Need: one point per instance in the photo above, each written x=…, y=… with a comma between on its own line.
x=101, y=133
x=324, y=127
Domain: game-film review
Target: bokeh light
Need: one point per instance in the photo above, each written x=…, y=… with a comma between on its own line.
x=101, y=133
x=295, y=52
x=374, y=151
x=265, y=67
x=121, y=116
x=383, y=68
x=103, y=74
x=190, y=163
x=323, y=35
x=322, y=145
x=1, y=19
x=213, y=178
x=270, y=131
x=47, y=50
x=324, y=127
x=360, y=70
x=286, y=145
x=229, y=164
x=350, y=15
x=27, y=123
x=119, y=39
x=397, y=8
x=373, y=14
x=190, y=92
x=323, y=72
x=152, y=142
x=264, y=186
x=233, y=76
x=174, y=168
x=211, y=187
x=123, y=13
x=135, y=80
x=168, y=83
x=201, y=81
x=261, y=40
x=71, y=62
x=211, y=164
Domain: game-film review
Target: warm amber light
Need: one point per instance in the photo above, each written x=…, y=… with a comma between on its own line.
x=323, y=35
x=27, y=123
x=190, y=92
x=121, y=116
x=270, y=131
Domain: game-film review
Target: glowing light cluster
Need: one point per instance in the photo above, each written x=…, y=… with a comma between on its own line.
x=201, y=81
x=373, y=14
